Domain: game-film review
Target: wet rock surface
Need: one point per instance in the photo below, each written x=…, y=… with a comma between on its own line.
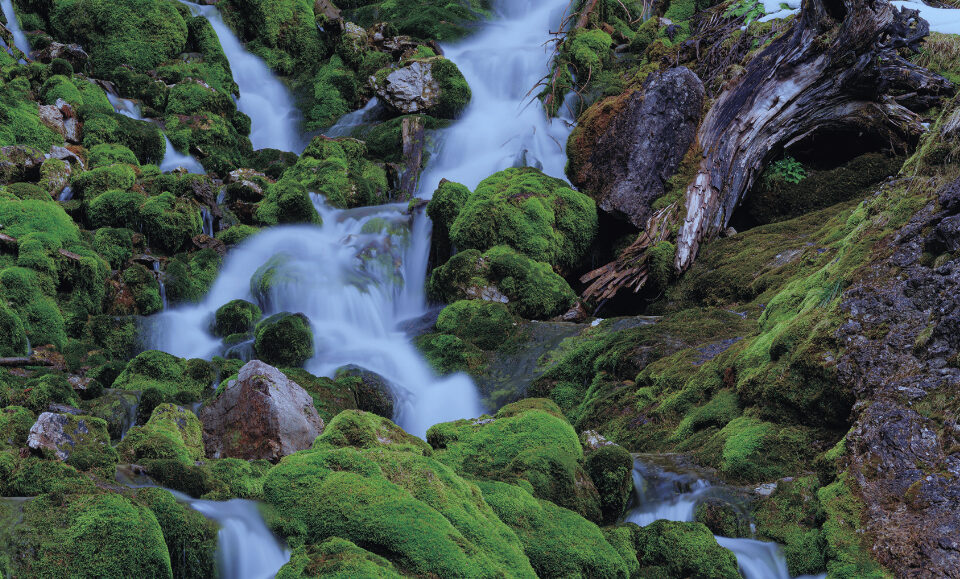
x=643, y=145
x=260, y=415
x=411, y=89
x=901, y=361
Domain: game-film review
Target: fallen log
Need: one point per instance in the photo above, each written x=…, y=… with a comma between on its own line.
x=18, y=361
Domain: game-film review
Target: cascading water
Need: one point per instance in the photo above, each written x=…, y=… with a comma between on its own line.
x=163, y=288
x=504, y=126
x=13, y=25
x=661, y=494
x=246, y=549
x=207, y=219
x=350, y=121
x=172, y=159
x=275, y=119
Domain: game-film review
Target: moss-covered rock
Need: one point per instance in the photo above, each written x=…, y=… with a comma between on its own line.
x=488, y=325
x=172, y=432
x=336, y=557
x=166, y=373
x=15, y=423
x=611, y=469
x=145, y=289
x=284, y=339
x=371, y=390
x=236, y=317
x=170, y=222
x=191, y=539
x=90, y=535
x=537, y=215
x=13, y=336
x=365, y=430
x=683, y=550
x=558, y=542
x=406, y=507
x=530, y=444
x=792, y=516
x=80, y=441
x=530, y=289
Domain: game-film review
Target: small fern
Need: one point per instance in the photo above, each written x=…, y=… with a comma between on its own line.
x=787, y=169
x=750, y=10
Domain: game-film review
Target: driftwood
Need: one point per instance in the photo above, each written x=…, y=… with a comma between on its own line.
x=25, y=361
x=838, y=70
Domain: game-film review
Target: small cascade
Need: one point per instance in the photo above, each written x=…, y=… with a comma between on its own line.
x=663, y=494
x=246, y=548
x=163, y=288
x=13, y=25
x=504, y=126
x=275, y=119
x=66, y=194
x=172, y=159
x=357, y=277
x=349, y=122
x=207, y=218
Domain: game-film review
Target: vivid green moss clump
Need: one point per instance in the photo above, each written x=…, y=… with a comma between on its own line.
x=336, y=557
x=403, y=505
x=535, y=448
x=172, y=432
x=537, y=215
x=191, y=539
x=531, y=289
x=93, y=535
x=674, y=549
x=284, y=339
x=236, y=317
x=169, y=375
x=488, y=325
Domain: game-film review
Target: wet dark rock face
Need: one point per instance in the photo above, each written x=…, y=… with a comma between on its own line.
x=902, y=355
x=643, y=146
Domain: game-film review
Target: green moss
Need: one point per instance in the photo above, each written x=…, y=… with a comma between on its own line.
x=445, y=205
x=93, y=535
x=404, y=506
x=170, y=222
x=20, y=119
x=42, y=390
x=172, y=432
x=448, y=354
x=611, y=470
x=455, y=93
x=366, y=430
x=792, y=516
x=558, y=542
x=91, y=183
x=533, y=289
x=535, y=446
x=339, y=171
x=239, y=478
x=109, y=154
x=284, y=339
x=144, y=287
x=86, y=444
x=15, y=423
x=33, y=476
x=330, y=397
x=847, y=554
x=537, y=215
x=115, y=209
x=236, y=234
x=424, y=19
x=13, y=336
x=236, y=317
x=114, y=244
x=191, y=539
x=488, y=325
x=190, y=276
x=683, y=550
x=143, y=138
x=336, y=558
x=161, y=371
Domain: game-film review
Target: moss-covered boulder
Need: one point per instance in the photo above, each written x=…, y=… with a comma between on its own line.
x=89, y=535
x=13, y=336
x=675, y=549
x=403, y=505
x=190, y=537
x=172, y=432
x=80, y=441
x=173, y=377
x=531, y=289
x=15, y=423
x=365, y=430
x=557, y=541
x=433, y=86
x=538, y=215
x=371, y=390
x=527, y=443
x=236, y=317
x=336, y=557
x=337, y=169
x=170, y=222
x=284, y=339
x=116, y=407
x=488, y=325
x=611, y=469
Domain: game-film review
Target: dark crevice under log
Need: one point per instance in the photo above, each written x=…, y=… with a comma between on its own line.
x=838, y=70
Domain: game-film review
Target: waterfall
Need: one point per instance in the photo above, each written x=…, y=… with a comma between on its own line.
x=661, y=494
x=172, y=159
x=13, y=25
x=246, y=549
x=163, y=288
x=207, y=217
x=275, y=119
x=350, y=121
x=504, y=126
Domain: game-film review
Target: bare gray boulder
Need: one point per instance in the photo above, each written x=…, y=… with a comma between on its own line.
x=627, y=168
x=260, y=415
x=411, y=89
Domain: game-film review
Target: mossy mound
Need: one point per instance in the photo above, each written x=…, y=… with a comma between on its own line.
x=539, y=216
x=487, y=325
x=22, y=125
x=173, y=377
x=365, y=430
x=535, y=448
x=33, y=476
x=284, y=339
x=611, y=469
x=792, y=516
x=81, y=441
x=236, y=317
x=422, y=18
x=191, y=539
x=339, y=170
x=15, y=423
x=532, y=290
x=336, y=557
x=404, y=506
x=676, y=549
x=171, y=433
x=89, y=535
x=558, y=542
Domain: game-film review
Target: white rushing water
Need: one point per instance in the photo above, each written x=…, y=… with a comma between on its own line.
x=275, y=119
x=13, y=25
x=504, y=126
x=246, y=549
x=172, y=159
x=661, y=494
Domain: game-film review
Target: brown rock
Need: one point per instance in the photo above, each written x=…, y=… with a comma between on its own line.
x=261, y=415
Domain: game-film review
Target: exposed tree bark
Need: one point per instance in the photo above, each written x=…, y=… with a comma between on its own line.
x=413, y=138
x=837, y=70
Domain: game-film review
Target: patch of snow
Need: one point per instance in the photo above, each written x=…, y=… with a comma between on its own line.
x=942, y=20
